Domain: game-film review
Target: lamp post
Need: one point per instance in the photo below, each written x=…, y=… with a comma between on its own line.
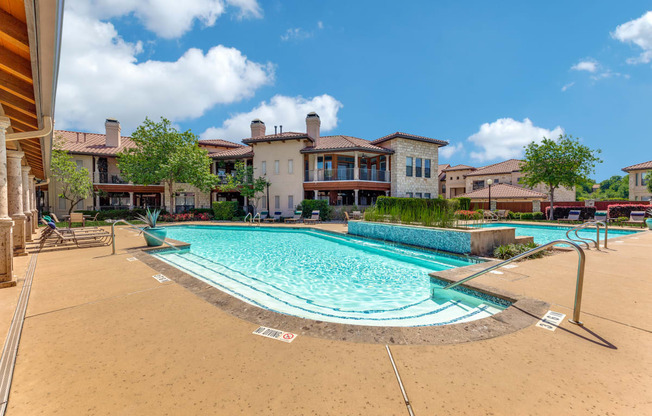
x=490, y=182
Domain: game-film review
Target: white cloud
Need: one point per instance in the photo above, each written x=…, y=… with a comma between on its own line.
x=589, y=65
x=290, y=112
x=506, y=137
x=451, y=149
x=638, y=32
x=166, y=18
x=320, y=25
x=567, y=86
x=101, y=77
x=295, y=34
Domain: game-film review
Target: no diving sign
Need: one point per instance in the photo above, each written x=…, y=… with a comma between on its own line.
x=275, y=334
x=551, y=320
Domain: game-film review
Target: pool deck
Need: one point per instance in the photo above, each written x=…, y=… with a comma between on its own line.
x=102, y=337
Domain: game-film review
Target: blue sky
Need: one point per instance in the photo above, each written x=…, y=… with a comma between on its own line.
x=487, y=77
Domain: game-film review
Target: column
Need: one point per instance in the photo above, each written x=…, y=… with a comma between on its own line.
x=96, y=172
x=355, y=197
x=97, y=202
x=316, y=194
x=6, y=223
x=15, y=199
x=29, y=220
x=356, y=172
x=386, y=193
x=32, y=201
x=131, y=200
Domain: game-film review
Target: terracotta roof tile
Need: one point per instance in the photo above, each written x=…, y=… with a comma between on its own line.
x=91, y=143
x=401, y=135
x=508, y=166
x=644, y=165
x=504, y=191
x=218, y=142
x=458, y=167
x=340, y=142
x=276, y=137
x=241, y=152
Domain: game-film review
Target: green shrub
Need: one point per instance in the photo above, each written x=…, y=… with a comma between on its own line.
x=429, y=212
x=514, y=215
x=537, y=215
x=118, y=214
x=465, y=203
x=508, y=251
x=527, y=215
x=310, y=205
x=388, y=202
x=225, y=210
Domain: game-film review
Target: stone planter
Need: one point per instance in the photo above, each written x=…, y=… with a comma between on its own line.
x=151, y=233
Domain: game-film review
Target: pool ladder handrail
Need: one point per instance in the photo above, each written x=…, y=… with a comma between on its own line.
x=583, y=240
x=580, y=273
x=247, y=216
x=142, y=230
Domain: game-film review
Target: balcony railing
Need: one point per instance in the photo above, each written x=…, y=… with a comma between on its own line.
x=107, y=177
x=346, y=174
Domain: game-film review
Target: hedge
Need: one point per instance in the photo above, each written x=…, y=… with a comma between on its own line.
x=465, y=203
x=310, y=205
x=225, y=210
x=586, y=213
x=616, y=210
x=118, y=214
x=388, y=202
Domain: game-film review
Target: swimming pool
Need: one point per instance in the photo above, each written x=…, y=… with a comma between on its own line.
x=322, y=276
x=545, y=233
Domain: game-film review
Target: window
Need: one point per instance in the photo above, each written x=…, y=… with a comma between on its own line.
x=478, y=185
x=277, y=167
x=62, y=203
x=408, y=167
x=408, y=194
x=264, y=202
x=263, y=167
x=290, y=201
x=458, y=178
x=427, y=196
x=496, y=181
x=277, y=202
x=426, y=172
x=290, y=166
x=417, y=195
x=644, y=180
x=184, y=201
x=418, y=169
x=636, y=179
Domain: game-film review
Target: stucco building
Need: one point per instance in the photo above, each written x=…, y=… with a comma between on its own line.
x=638, y=181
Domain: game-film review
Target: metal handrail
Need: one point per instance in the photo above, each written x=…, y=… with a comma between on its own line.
x=247, y=216
x=137, y=229
x=606, y=230
x=583, y=240
x=254, y=218
x=580, y=273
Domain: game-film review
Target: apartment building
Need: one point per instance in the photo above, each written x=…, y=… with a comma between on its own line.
x=638, y=181
x=463, y=179
x=343, y=170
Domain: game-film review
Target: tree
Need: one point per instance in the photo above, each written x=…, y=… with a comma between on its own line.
x=556, y=163
x=75, y=181
x=163, y=154
x=242, y=180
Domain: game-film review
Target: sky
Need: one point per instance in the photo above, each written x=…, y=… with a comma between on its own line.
x=488, y=77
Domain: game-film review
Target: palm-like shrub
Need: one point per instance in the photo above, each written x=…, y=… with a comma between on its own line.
x=150, y=217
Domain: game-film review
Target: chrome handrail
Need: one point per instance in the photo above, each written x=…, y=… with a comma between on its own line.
x=137, y=229
x=583, y=226
x=580, y=273
x=579, y=239
x=254, y=218
x=247, y=216
x=606, y=230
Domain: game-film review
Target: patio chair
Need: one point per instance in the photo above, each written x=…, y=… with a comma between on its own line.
x=573, y=215
x=502, y=214
x=490, y=215
x=356, y=215
x=296, y=218
x=314, y=218
x=635, y=218
x=76, y=217
x=263, y=215
x=275, y=218
x=599, y=216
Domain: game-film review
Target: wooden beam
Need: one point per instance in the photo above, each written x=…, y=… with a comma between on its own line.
x=17, y=87
x=13, y=31
x=15, y=65
x=22, y=118
x=17, y=124
x=10, y=100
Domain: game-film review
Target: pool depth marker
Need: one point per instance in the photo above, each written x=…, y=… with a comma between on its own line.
x=276, y=334
x=551, y=320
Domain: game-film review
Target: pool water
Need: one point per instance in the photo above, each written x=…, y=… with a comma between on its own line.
x=546, y=233
x=327, y=277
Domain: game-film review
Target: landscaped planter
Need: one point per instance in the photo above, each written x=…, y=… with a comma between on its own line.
x=479, y=242
x=155, y=236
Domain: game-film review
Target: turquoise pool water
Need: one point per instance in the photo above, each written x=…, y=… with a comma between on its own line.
x=321, y=276
x=545, y=233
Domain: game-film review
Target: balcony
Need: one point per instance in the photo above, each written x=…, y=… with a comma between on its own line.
x=108, y=178
x=346, y=174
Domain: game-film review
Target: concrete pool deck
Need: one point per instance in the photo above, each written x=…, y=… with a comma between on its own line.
x=101, y=336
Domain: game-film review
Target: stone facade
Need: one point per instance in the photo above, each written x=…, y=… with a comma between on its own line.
x=637, y=186
x=561, y=195
x=403, y=185
x=456, y=182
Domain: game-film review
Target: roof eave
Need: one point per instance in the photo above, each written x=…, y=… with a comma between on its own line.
x=348, y=149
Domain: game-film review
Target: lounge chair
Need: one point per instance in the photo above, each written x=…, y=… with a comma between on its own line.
x=314, y=218
x=502, y=214
x=490, y=215
x=275, y=218
x=356, y=215
x=263, y=215
x=296, y=218
x=53, y=237
x=599, y=216
x=636, y=218
x=573, y=215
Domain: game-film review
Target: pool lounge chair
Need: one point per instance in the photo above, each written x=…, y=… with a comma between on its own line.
x=599, y=216
x=296, y=218
x=573, y=215
x=502, y=214
x=490, y=215
x=346, y=217
x=53, y=237
x=275, y=218
x=636, y=218
x=263, y=215
x=314, y=218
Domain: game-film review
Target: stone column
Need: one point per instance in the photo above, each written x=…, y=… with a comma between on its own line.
x=97, y=202
x=355, y=197
x=492, y=207
x=316, y=194
x=32, y=201
x=29, y=220
x=131, y=200
x=356, y=172
x=15, y=199
x=536, y=206
x=6, y=223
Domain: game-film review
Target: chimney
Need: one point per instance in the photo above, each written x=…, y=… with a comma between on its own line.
x=257, y=128
x=112, y=132
x=312, y=125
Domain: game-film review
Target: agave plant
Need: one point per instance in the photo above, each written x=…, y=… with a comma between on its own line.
x=150, y=217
